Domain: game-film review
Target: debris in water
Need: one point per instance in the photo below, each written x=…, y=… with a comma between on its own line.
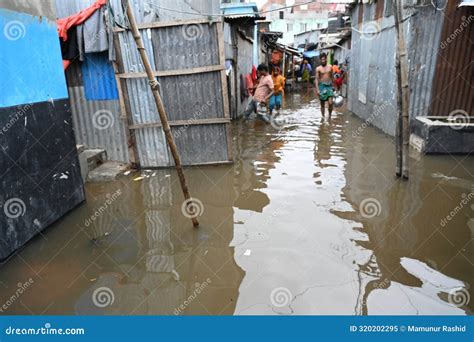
x=248, y=252
x=139, y=178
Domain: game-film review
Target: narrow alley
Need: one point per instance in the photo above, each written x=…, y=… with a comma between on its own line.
x=308, y=220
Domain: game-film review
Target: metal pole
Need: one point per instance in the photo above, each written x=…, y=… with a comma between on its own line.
x=159, y=105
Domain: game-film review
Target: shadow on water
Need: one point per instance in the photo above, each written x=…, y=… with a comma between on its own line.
x=308, y=220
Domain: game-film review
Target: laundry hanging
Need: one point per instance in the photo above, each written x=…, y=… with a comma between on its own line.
x=65, y=33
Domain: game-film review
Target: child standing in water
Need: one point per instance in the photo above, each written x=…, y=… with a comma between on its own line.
x=279, y=86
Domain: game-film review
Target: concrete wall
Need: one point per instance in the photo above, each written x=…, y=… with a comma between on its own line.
x=40, y=174
x=297, y=24
x=372, y=80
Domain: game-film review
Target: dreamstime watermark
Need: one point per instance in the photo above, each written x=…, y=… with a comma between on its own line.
x=192, y=208
x=14, y=208
x=103, y=119
x=370, y=208
x=192, y=31
x=103, y=297
x=459, y=30
x=439, y=5
x=377, y=112
x=459, y=119
x=198, y=289
x=197, y=114
x=103, y=208
x=280, y=121
x=22, y=110
x=14, y=30
x=369, y=30
x=46, y=330
x=464, y=202
x=281, y=297
x=21, y=288
x=89, y=43
x=459, y=298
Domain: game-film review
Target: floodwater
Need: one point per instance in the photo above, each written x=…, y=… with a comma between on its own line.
x=308, y=220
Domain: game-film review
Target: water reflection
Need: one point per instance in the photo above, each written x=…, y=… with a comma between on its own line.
x=282, y=232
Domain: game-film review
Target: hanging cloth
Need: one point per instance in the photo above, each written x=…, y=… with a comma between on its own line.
x=64, y=26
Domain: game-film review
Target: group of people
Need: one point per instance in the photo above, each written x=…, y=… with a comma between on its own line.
x=269, y=88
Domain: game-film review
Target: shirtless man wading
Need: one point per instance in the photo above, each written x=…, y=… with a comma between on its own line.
x=324, y=83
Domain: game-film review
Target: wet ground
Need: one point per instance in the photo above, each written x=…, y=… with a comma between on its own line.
x=308, y=220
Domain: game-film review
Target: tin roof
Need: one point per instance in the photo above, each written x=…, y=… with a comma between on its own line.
x=466, y=3
x=240, y=10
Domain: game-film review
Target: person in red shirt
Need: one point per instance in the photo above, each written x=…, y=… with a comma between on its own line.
x=337, y=74
x=263, y=92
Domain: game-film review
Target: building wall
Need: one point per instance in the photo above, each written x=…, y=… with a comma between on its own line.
x=297, y=25
x=245, y=53
x=110, y=135
x=452, y=88
x=313, y=16
x=343, y=53
x=372, y=80
x=40, y=173
x=242, y=66
x=306, y=37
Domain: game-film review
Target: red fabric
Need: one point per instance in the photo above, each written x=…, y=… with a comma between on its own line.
x=277, y=56
x=65, y=24
x=66, y=64
x=250, y=83
x=254, y=74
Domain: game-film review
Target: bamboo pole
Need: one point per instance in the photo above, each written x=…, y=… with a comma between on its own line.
x=159, y=105
x=402, y=134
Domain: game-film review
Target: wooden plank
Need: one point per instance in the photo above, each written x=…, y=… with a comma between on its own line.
x=172, y=23
x=225, y=95
x=184, y=123
x=125, y=110
x=179, y=72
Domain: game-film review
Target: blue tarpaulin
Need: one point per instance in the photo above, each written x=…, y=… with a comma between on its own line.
x=311, y=54
x=99, y=77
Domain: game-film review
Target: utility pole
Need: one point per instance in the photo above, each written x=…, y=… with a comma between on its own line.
x=402, y=120
x=159, y=104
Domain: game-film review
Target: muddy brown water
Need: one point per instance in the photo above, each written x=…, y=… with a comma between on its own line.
x=308, y=220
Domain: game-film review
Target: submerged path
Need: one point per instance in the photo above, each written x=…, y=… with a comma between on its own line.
x=308, y=220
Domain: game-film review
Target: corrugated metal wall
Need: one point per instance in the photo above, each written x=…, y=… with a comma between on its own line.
x=113, y=138
x=340, y=54
x=244, y=65
x=372, y=74
x=424, y=31
x=453, y=88
x=372, y=80
x=87, y=114
x=189, y=97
